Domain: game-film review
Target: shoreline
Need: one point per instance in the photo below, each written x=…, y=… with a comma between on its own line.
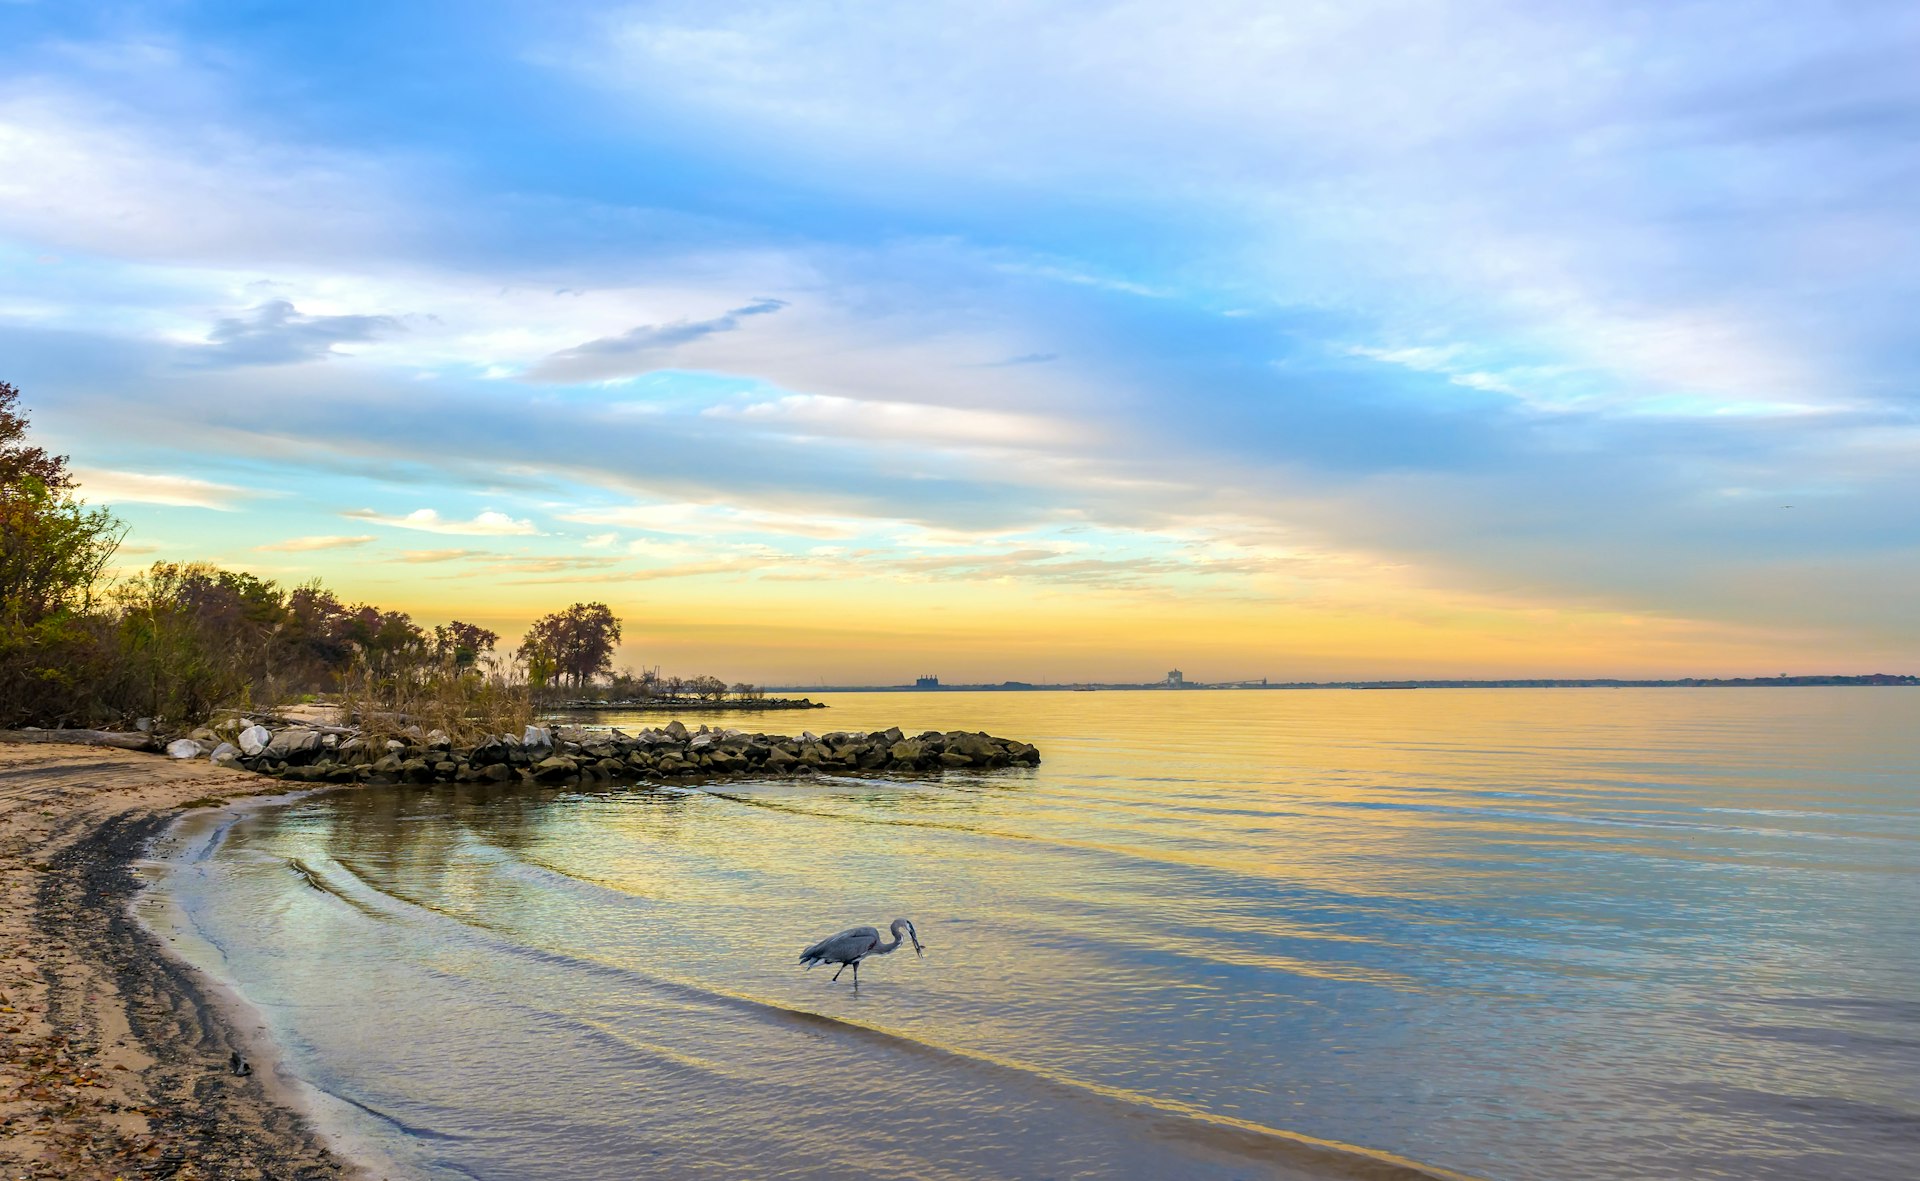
x=772, y=705
x=114, y=1045
x=113, y=1048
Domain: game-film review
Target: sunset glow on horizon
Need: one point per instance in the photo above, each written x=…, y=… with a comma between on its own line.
x=842, y=345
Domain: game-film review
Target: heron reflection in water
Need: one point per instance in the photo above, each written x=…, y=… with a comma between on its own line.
x=854, y=944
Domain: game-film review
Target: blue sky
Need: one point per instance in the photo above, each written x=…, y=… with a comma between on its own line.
x=1012, y=340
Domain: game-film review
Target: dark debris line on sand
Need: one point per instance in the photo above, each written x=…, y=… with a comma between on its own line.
x=70, y=1105
x=86, y=896
x=114, y=1060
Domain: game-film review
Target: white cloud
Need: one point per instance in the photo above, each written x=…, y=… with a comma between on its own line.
x=81, y=175
x=937, y=426
x=302, y=545
x=111, y=487
x=428, y=556
x=426, y=520
x=711, y=519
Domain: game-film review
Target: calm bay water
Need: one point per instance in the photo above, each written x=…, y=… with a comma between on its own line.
x=1520, y=934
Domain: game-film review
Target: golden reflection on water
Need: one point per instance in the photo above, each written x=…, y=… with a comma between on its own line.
x=1565, y=933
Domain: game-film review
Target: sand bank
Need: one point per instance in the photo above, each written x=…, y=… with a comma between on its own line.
x=113, y=1054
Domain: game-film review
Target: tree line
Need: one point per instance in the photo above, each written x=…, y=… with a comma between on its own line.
x=181, y=640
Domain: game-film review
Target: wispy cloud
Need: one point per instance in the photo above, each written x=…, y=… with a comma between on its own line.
x=426, y=520
x=938, y=426
x=111, y=487
x=303, y=545
x=277, y=333
x=639, y=349
x=712, y=519
x=428, y=556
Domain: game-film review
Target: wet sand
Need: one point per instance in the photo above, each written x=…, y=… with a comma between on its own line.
x=113, y=1053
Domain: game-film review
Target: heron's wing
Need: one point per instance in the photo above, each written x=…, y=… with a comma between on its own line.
x=849, y=944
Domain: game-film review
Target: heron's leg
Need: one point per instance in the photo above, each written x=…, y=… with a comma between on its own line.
x=843, y=967
x=856, y=975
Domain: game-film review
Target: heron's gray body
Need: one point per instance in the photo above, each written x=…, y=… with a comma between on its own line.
x=854, y=944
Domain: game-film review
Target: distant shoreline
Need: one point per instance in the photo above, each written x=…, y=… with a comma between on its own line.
x=1789, y=682
x=692, y=707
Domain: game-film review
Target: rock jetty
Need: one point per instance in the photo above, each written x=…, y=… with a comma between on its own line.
x=569, y=755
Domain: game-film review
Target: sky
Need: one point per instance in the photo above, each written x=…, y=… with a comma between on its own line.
x=848, y=342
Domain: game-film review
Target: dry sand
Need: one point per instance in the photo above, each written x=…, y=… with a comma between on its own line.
x=113, y=1056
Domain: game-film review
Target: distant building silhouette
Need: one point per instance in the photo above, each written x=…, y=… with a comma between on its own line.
x=926, y=682
x=1176, y=679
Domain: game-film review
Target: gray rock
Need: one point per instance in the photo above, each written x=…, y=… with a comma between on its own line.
x=906, y=750
x=184, y=748
x=489, y=752
x=293, y=743
x=537, y=737
x=557, y=767
x=226, y=753
x=439, y=738
x=254, y=739
x=976, y=747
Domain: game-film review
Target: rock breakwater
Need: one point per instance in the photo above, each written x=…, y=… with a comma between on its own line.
x=334, y=754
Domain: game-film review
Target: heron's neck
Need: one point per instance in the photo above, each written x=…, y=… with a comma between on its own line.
x=884, y=948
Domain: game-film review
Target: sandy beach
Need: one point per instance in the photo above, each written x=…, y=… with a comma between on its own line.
x=114, y=1059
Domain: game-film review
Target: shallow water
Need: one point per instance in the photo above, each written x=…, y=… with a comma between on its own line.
x=1517, y=933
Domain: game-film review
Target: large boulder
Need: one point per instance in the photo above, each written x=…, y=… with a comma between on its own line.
x=184, y=748
x=908, y=752
x=226, y=754
x=253, y=740
x=676, y=731
x=558, y=767
x=493, y=750
x=293, y=744
x=977, y=749
x=537, y=738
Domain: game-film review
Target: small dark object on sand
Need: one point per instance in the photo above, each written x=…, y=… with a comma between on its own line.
x=239, y=1065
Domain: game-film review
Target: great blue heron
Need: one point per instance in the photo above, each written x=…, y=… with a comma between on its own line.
x=855, y=944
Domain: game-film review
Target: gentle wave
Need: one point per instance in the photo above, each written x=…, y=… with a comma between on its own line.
x=1603, y=936
x=1176, y=1120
